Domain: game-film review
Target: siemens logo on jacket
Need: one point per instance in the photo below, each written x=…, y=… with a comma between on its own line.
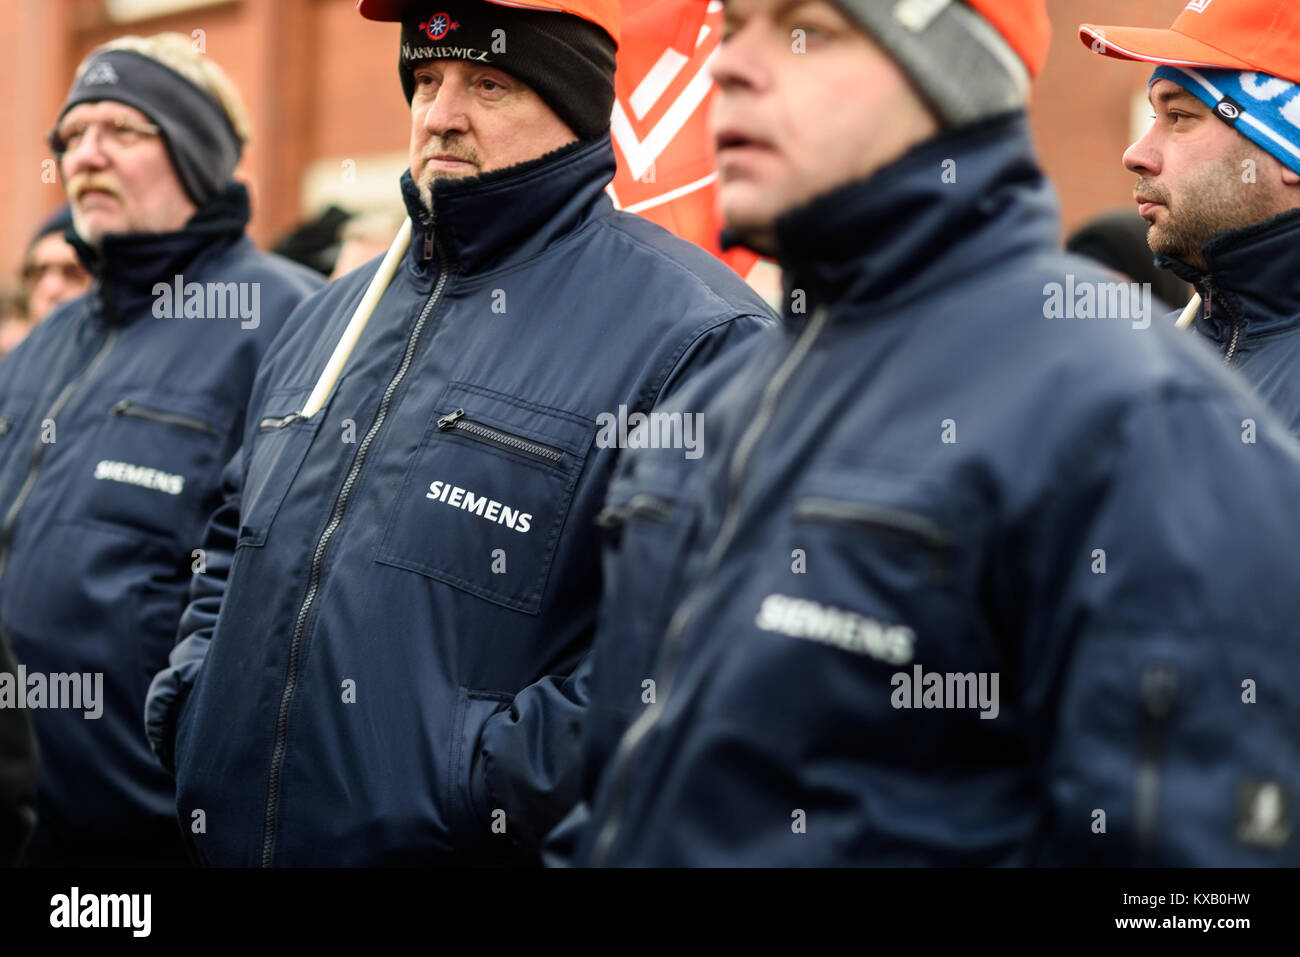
x=480, y=505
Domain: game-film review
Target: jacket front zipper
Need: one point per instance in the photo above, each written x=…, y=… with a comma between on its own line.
x=1236, y=322
x=1232, y=345
x=640, y=729
x=318, y=556
x=60, y=402
x=128, y=408
x=456, y=422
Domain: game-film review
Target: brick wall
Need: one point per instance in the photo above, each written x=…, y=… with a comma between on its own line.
x=321, y=88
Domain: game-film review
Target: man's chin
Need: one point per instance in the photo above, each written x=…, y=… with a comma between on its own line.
x=1161, y=245
x=91, y=229
x=749, y=225
x=760, y=239
x=430, y=177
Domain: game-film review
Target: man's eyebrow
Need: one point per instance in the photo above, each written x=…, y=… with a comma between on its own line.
x=791, y=6
x=776, y=12
x=1165, y=97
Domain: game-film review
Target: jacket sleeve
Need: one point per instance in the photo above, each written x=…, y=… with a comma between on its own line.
x=1162, y=648
x=171, y=686
x=528, y=762
x=19, y=769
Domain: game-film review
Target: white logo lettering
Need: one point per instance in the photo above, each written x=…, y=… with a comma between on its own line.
x=108, y=470
x=801, y=618
x=1264, y=87
x=482, y=506
x=444, y=53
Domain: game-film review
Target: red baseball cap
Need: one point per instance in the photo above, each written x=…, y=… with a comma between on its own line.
x=1259, y=35
x=606, y=14
x=1023, y=24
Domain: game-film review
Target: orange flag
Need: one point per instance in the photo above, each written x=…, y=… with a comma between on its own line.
x=661, y=120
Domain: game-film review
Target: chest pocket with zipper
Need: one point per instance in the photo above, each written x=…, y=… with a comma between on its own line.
x=894, y=548
x=153, y=466
x=486, y=495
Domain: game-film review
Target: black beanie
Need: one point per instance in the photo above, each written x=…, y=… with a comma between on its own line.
x=200, y=140
x=568, y=61
x=59, y=221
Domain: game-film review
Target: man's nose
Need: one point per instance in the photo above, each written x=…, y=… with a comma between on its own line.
x=1143, y=156
x=739, y=62
x=50, y=283
x=448, y=111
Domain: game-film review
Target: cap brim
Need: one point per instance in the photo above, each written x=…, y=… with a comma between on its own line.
x=387, y=10
x=394, y=10
x=1156, y=46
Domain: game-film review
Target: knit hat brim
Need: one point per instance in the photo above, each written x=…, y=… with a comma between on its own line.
x=959, y=63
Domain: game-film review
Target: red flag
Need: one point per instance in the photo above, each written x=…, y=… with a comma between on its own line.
x=660, y=125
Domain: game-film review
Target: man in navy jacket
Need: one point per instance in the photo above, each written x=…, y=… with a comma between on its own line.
x=117, y=415
x=1219, y=177
x=375, y=665
x=975, y=573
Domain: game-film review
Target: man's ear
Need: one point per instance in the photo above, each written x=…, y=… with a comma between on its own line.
x=1290, y=177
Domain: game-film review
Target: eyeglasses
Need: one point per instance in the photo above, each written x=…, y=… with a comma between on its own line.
x=119, y=131
x=35, y=272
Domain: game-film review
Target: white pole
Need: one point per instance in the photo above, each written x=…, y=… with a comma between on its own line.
x=1189, y=313
x=334, y=368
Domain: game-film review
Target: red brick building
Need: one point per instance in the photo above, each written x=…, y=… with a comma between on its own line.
x=330, y=123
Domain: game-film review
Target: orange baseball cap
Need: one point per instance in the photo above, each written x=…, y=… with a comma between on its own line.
x=606, y=14
x=1023, y=24
x=1259, y=35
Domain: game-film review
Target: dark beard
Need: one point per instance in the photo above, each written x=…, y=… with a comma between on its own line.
x=1217, y=201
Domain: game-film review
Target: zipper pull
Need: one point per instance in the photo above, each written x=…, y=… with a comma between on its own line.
x=270, y=422
x=428, y=246
x=449, y=421
x=645, y=505
x=120, y=407
x=611, y=517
